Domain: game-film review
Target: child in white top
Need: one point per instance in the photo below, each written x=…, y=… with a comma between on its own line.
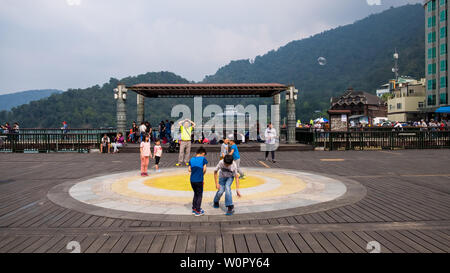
x=145, y=155
x=157, y=153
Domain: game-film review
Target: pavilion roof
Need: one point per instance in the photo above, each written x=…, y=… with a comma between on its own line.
x=209, y=90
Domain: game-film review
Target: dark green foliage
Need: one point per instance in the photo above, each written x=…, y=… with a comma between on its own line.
x=358, y=56
x=92, y=107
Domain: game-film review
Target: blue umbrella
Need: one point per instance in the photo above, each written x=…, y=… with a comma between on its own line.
x=444, y=110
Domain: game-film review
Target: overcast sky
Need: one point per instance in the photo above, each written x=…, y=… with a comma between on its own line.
x=79, y=43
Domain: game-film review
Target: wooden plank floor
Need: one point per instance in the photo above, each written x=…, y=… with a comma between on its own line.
x=407, y=208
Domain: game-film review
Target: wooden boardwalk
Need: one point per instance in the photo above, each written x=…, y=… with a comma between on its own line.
x=407, y=208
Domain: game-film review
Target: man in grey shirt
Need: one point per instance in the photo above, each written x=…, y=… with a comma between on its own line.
x=228, y=172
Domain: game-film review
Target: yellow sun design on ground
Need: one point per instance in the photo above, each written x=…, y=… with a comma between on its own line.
x=182, y=183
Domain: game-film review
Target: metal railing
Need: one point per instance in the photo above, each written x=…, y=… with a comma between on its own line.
x=71, y=131
x=45, y=143
x=376, y=140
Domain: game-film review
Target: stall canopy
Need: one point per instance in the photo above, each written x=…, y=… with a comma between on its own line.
x=444, y=110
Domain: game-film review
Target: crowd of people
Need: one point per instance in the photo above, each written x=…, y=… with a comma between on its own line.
x=164, y=132
x=7, y=129
x=431, y=125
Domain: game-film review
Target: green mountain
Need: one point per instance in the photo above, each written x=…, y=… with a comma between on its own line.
x=92, y=107
x=8, y=101
x=357, y=55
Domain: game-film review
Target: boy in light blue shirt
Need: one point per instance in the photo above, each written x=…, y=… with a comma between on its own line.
x=234, y=151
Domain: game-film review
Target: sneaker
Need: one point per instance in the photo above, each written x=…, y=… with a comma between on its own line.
x=187, y=164
x=145, y=174
x=273, y=161
x=178, y=164
x=229, y=212
x=216, y=205
x=196, y=213
x=242, y=177
x=158, y=171
x=142, y=174
x=201, y=213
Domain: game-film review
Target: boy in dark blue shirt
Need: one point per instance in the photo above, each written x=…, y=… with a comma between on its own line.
x=197, y=168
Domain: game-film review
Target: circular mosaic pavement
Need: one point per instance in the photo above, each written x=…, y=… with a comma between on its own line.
x=167, y=195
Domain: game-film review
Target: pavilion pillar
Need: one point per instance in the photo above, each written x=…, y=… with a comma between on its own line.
x=120, y=95
x=276, y=113
x=291, y=97
x=140, y=109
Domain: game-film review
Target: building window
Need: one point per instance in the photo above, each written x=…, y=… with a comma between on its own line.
x=432, y=53
x=443, y=15
x=444, y=65
x=390, y=107
x=421, y=104
x=443, y=32
x=432, y=37
x=432, y=21
x=431, y=69
x=431, y=5
x=431, y=100
x=443, y=49
x=399, y=106
x=443, y=98
x=442, y=2
x=431, y=84
x=443, y=82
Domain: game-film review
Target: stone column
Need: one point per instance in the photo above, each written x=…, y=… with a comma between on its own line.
x=291, y=120
x=275, y=114
x=140, y=109
x=120, y=94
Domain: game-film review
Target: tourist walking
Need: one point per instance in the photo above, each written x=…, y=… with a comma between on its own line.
x=145, y=155
x=271, y=136
x=197, y=168
x=224, y=174
x=186, y=128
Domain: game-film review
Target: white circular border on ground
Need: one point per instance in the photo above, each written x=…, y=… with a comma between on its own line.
x=98, y=192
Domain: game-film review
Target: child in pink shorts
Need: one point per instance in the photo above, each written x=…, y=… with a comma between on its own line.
x=145, y=155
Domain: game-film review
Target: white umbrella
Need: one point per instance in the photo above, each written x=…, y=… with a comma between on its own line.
x=321, y=120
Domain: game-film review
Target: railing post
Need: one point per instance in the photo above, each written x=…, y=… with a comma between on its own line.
x=330, y=141
x=13, y=143
x=361, y=140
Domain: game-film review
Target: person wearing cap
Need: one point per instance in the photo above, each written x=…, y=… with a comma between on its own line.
x=65, y=127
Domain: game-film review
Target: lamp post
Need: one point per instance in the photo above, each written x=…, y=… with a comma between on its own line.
x=291, y=98
x=120, y=95
x=395, y=69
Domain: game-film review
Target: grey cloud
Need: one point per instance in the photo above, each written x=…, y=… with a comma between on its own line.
x=49, y=44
